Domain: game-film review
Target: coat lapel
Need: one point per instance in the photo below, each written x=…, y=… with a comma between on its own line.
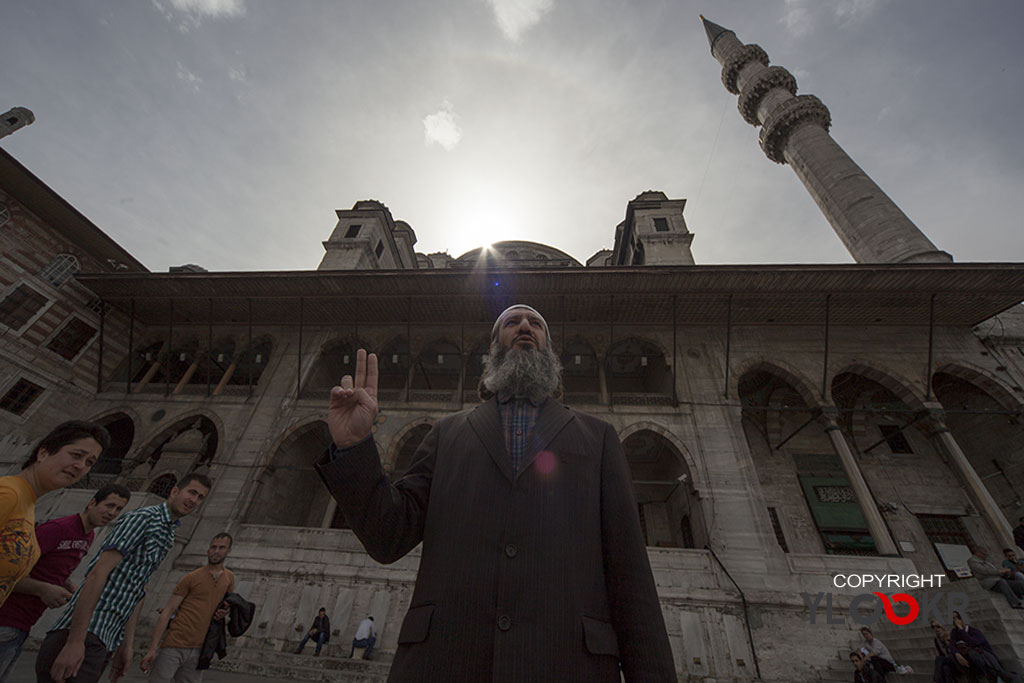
x=486, y=422
x=551, y=418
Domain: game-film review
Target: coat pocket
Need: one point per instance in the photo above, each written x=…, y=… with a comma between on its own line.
x=416, y=625
x=599, y=637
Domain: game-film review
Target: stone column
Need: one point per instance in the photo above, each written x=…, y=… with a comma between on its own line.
x=876, y=525
x=332, y=507
x=982, y=500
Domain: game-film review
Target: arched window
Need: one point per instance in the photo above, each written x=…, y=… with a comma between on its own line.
x=406, y=449
x=670, y=515
x=251, y=363
x=122, y=434
x=337, y=358
x=438, y=368
x=394, y=368
x=636, y=370
x=61, y=269
x=163, y=484
x=580, y=375
x=475, y=368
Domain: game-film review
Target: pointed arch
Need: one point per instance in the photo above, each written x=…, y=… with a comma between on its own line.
x=404, y=445
x=780, y=370
x=983, y=380
x=663, y=483
x=897, y=385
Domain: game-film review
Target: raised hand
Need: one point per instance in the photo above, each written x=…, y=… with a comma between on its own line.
x=353, y=407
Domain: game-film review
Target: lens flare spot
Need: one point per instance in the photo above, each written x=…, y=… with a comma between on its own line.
x=545, y=462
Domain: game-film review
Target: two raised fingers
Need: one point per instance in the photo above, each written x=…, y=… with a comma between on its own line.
x=366, y=374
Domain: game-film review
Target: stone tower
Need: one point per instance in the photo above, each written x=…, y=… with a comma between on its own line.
x=366, y=237
x=794, y=131
x=654, y=233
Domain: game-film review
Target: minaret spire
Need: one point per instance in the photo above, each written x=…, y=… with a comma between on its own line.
x=713, y=30
x=794, y=131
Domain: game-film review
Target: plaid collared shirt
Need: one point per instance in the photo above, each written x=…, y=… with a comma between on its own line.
x=143, y=537
x=518, y=417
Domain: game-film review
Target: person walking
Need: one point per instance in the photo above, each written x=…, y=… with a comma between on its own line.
x=98, y=625
x=63, y=542
x=195, y=602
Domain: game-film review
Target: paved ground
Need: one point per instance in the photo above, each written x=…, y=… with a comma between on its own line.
x=25, y=672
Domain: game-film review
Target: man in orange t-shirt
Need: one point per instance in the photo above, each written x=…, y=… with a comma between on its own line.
x=197, y=600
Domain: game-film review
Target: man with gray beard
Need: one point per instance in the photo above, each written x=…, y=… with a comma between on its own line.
x=533, y=565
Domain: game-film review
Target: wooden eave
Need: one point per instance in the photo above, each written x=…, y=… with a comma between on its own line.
x=59, y=215
x=965, y=294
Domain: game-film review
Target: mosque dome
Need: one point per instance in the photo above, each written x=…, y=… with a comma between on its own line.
x=517, y=254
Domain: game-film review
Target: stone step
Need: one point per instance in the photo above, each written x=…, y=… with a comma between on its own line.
x=325, y=669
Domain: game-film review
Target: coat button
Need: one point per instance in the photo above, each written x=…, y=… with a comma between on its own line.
x=511, y=550
x=504, y=623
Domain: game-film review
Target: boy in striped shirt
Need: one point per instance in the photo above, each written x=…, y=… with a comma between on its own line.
x=102, y=614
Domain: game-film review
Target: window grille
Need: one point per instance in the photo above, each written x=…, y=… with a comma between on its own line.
x=5, y=215
x=19, y=397
x=895, y=438
x=163, y=484
x=20, y=306
x=60, y=269
x=72, y=338
x=96, y=305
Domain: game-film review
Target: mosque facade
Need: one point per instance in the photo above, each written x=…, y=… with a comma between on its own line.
x=784, y=425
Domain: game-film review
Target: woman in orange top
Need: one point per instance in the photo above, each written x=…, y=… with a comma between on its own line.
x=63, y=457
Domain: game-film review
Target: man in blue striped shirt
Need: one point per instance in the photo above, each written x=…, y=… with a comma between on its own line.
x=102, y=614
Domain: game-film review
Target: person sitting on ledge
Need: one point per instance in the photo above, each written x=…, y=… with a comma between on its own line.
x=995, y=578
x=865, y=672
x=321, y=630
x=366, y=636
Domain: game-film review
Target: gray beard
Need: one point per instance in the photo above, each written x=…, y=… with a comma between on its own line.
x=533, y=373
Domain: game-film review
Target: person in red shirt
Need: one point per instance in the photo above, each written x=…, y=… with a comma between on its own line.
x=63, y=542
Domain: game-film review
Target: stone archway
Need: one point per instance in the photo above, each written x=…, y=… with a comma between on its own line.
x=637, y=371
x=887, y=427
x=289, y=491
x=122, y=435
x=784, y=441
x=189, y=444
x=401, y=456
x=663, y=483
x=986, y=421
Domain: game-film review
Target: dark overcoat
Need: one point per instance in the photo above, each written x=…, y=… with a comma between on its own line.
x=540, y=576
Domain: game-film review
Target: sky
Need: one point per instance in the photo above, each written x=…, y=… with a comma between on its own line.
x=227, y=132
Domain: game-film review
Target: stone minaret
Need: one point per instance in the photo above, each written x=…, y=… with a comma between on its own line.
x=794, y=131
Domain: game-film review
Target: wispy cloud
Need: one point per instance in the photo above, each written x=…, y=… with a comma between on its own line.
x=188, y=78
x=190, y=13
x=240, y=74
x=801, y=16
x=516, y=16
x=441, y=128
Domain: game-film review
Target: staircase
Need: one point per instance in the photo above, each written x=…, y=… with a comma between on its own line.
x=912, y=644
x=305, y=667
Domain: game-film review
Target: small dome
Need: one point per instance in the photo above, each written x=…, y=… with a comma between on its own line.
x=651, y=195
x=369, y=204
x=519, y=254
